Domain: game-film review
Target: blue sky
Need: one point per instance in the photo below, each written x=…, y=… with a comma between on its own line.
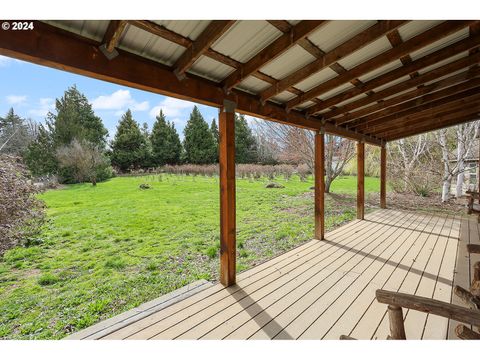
x=31, y=90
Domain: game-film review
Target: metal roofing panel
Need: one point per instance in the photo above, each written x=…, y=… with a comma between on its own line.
x=187, y=28
x=336, y=32
x=150, y=46
x=211, y=69
x=292, y=60
x=367, y=52
x=92, y=29
x=316, y=79
x=448, y=75
x=415, y=27
x=392, y=83
x=437, y=45
x=283, y=97
x=444, y=62
x=354, y=98
x=253, y=85
x=336, y=91
x=381, y=70
x=245, y=39
x=305, y=105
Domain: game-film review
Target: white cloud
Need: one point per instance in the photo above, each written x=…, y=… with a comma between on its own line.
x=120, y=100
x=173, y=108
x=16, y=99
x=44, y=106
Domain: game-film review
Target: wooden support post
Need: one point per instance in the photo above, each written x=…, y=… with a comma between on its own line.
x=360, y=180
x=395, y=317
x=383, y=177
x=227, y=194
x=320, y=185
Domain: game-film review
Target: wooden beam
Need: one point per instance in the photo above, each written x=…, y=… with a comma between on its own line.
x=429, y=306
x=395, y=40
x=431, y=59
x=411, y=117
x=320, y=185
x=198, y=47
x=355, y=117
x=383, y=177
x=406, y=85
x=355, y=43
x=50, y=46
x=384, y=118
x=162, y=31
x=440, y=123
x=112, y=37
x=417, y=42
x=397, y=328
x=360, y=180
x=272, y=51
x=228, y=250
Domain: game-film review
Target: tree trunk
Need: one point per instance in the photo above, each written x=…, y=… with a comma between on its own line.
x=328, y=182
x=460, y=166
x=447, y=183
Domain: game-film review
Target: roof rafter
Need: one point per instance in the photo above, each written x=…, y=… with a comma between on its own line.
x=406, y=85
x=50, y=46
x=354, y=118
x=212, y=32
x=112, y=37
x=330, y=59
x=435, y=57
x=417, y=42
x=429, y=103
x=272, y=51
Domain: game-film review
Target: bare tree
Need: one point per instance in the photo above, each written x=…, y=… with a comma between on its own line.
x=297, y=146
x=83, y=158
x=456, y=146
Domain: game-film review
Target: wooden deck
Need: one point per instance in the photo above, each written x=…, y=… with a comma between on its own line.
x=322, y=289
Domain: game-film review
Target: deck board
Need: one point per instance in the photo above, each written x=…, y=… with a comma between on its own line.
x=323, y=289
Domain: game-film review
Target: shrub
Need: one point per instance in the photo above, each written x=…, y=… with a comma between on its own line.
x=21, y=213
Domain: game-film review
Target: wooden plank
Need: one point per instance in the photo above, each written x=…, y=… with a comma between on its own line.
x=431, y=306
x=228, y=248
x=271, y=318
x=212, y=33
x=327, y=59
x=272, y=51
x=423, y=62
x=373, y=323
x=251, y=299
x=417, y=42
x=361, y=307
x=319, y=186
x=112, y=34
x=255, y=278
x=360, y=180
x=383, y=177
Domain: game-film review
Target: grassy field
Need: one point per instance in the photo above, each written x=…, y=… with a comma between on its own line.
x=109, y=248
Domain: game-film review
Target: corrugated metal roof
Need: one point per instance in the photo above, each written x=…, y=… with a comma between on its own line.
x=336, y=32
x=211, y=69
x=336, y=91
x=316, y=79
x=245, y=39
x=292, y=60
x=367, y=52
x=380, y=71
x=444, y=62
x=93, y=29
x=284, y=96
x=253, y=85
x=416, y=27
x=186, y=28
x=437, y=45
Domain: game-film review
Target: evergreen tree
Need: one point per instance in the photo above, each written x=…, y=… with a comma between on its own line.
x=216, y=136
x=15, y=134
x=129, y=145
x=245, y=143
x=199, y=143
x=40, y=154
x=166, y=145
x=75, y=119
x=148, y=160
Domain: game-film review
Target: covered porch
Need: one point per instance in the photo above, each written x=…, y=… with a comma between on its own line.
x=322, y=289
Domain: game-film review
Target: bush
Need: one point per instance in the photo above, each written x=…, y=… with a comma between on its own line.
x=21, y=213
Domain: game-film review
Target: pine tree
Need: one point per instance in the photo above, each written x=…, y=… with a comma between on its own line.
x=75, y=119
x=216, y=136
x=40, y=154
x=245, y=143
x=15, y=134
x=129, y=146
x=199, y=143
x=166, y=145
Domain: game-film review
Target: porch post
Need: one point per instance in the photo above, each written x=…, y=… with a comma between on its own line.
x=383, y=177
x=227, y=193
x=360, y=180
x=319, y=185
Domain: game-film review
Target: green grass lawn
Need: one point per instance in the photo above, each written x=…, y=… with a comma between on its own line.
x=109, y=248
